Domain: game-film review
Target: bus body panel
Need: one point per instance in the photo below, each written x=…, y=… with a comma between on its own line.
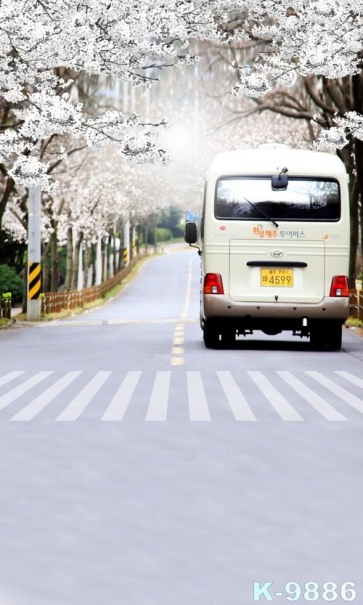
x=247, y=252
x=305, y=283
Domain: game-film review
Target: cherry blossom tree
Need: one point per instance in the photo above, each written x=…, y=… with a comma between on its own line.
x=45, y=46
x=304, y=60
x=38, y=37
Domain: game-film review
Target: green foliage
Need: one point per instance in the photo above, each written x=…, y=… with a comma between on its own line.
x=178, y=231
x=168, y=226
x=12, y=252
x=10, y=281
x=170, y=217
x=62, y=262
x=163, y=235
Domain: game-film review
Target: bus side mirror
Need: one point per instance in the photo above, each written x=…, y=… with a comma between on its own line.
x=190, y=233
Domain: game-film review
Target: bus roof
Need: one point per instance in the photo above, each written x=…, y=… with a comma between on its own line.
x=271, y=160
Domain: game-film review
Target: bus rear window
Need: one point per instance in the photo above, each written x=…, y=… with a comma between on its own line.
x=250, y=198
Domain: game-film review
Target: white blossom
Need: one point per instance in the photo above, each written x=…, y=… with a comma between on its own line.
x=120, y=40
x=333, y=138
x=112, y=38
x=252, y=85
x=32, y=172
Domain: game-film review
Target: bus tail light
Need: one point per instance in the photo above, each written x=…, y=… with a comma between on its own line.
x=213, y=284
x=339, y=286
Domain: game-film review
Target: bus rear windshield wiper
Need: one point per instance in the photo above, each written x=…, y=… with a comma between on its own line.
x=262, y=212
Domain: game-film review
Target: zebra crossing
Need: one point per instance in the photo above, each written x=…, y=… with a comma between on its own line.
x=201, y=396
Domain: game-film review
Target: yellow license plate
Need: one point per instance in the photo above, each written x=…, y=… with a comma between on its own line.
x=277, y=277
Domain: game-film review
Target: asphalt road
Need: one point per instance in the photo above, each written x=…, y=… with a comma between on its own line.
x=139, y=468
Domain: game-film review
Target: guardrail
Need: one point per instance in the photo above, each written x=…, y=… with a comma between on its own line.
x=5, y=305
x=356, y=304
x=54, y=302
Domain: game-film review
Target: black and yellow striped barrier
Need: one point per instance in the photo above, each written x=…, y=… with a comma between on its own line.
x=125, y=256
x=34, y=280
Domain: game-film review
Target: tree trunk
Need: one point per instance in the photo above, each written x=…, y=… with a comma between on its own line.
x=103, y=260
x=24, y=275
x=55, y=262
x=138, y=238
x=354, y=233
x=357, y=90
x=155, y=220
x=114, y=258
x=348, y=156
x=108, y=257
x=76, y=261
x=69, y=270
x=87, y=262
x=7, y=191
x=45, y=260
x=45, y=271
x=359, y=178
x=146, y=235
x=120, y=255
x=94, y=259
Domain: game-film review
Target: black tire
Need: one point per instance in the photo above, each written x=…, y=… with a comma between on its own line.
x=333, y=336
x=210, y=335
x=326, y=336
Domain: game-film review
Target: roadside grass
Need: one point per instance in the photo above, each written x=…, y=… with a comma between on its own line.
x=354, y=321
x=356, y=325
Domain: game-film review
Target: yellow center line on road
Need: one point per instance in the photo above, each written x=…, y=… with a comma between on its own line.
x=177, y=361
x=177, y=352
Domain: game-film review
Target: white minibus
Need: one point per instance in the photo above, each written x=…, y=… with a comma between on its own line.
x=274, y=244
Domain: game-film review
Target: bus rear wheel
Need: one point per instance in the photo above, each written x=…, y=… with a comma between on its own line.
x=210, y=335
x=333, y=336
x=326, y=335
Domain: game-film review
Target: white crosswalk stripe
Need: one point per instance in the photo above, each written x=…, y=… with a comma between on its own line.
x=239, y=406
x=278, y=401
x=324, y=408
x=8, y=377
x=198, y=406
x=351, y=378
x=118, y=406
x=339, y=391
x=22, y=388
x=206, y=395
x=158, y=405
x=79, y=403
x=39, y=403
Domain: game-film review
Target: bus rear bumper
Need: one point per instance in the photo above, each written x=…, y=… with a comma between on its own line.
x=222, y=306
